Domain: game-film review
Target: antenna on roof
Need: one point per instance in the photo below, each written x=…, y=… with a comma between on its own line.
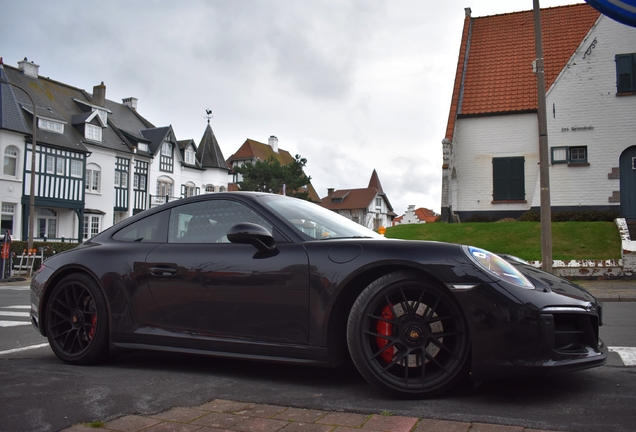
x=209, y=115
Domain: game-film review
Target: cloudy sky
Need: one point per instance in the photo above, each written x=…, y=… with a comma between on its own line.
x=351, y=85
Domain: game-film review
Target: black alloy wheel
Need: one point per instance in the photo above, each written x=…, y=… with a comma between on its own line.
x=408, y=337
x=76, y=321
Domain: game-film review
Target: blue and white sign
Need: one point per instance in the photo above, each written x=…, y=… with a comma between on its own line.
x=623, y=11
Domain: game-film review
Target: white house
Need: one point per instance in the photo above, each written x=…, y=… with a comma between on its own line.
x=368, y=206
x=96, y=161
x=491, y=150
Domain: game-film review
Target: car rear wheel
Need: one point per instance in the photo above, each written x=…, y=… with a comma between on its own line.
x=77, y=322
x=408, y=337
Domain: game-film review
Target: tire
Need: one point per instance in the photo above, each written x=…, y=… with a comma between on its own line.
x=77, y=321
x=400, y=320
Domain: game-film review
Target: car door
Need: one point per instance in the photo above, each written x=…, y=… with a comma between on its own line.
x=205, y=285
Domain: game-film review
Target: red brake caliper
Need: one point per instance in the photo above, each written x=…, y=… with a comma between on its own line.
x=386, y=329
x=91, y=332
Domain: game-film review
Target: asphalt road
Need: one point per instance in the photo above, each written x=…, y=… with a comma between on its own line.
x=40, y=393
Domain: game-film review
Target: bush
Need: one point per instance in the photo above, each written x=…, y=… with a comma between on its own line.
x=573, y=216
x=530, y=216
x=50, y=248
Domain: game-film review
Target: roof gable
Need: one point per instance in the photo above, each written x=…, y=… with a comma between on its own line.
x=494, y=71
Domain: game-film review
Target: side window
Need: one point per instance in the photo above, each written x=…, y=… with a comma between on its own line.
x=209, y=221
x=151, y=229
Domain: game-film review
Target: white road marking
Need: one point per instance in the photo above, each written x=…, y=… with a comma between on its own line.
x=17, y=307
x=16, y=314
x=628, y=354
x=30, y=347
x=15, y=288
x=13, y=323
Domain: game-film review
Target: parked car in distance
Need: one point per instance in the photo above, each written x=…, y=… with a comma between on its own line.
x=267, y=277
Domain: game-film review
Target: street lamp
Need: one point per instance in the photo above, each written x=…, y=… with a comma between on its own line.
x=32, y=191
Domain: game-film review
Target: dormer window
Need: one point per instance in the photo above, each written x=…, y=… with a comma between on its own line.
x=166, y=149
x=189, y=156
x=143, y=147
x=166, y=159
x=50, y=125
x=103, y=114
x=92, y=132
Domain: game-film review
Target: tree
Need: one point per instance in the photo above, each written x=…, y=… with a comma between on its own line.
x=270, y=176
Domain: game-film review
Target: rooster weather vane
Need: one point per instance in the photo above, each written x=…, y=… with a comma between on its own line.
x=209, y=115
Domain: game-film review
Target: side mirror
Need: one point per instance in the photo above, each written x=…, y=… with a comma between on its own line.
x=250, y=233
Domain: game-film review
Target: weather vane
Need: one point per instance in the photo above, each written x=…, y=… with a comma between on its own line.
x=209, y=115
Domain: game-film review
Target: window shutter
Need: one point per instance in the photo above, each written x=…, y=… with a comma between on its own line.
x=517, y=188
x=508, y=178
x=500, y=178
x=625, y=73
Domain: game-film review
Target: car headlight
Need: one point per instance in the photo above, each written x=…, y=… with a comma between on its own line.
x=498, y=266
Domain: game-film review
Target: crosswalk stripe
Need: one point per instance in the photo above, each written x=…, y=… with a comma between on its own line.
x=13, y=323
x=30, y=347
x=628, y=354
x=15, y=314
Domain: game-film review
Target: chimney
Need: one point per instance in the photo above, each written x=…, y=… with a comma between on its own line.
x=468, y=12
x=29, y=69
x=130, y=102
x=329, y=192
x=273, y=143
x=99, y=95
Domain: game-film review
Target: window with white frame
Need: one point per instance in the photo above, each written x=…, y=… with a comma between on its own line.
x=569, y=155
x=47, y=223
x=91, y=225
x=190, y=156
x=10, y=161
x=222, y=189
x=93, y=178
x=60, y=165
x=209, y=188
x=189, y=189
x=143, y=147
x=378, y=202
x=164, y=187
x=76, y=168
x=8, y=213
x=166, y=149
x=50, y=164
x=50, y=125
x=92, y=132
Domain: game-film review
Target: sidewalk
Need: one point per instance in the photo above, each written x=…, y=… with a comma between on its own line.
x=224, y=415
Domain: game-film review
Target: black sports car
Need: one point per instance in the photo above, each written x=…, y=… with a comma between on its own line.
x=268, y=277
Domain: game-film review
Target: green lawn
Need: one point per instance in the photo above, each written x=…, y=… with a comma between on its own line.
x=570, y=240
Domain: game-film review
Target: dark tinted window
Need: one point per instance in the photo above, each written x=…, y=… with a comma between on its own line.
x=150, y=229
x=209, y=221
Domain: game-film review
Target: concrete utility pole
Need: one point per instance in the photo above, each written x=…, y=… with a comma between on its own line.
x=544, y=173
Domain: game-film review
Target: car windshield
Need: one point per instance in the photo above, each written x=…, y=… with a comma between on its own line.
x=315, y=221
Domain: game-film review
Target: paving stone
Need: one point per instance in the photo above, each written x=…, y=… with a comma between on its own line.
x=79, y=428
x=300, y=415
x=483, y=427
x=179, y=414
x=344, y=419
x=430, y=425
x=261, y=410
x=131, y=423
x=221, y=405
x=258, y=424
x=219, y=420
x=307, y=427
x=390, y=423
x=173, y=427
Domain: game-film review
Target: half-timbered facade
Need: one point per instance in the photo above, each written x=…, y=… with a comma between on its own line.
x=97, y=162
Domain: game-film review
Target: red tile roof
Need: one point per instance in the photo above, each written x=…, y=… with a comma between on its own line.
x=497, y=76
x=354, y=199
x=254, y=151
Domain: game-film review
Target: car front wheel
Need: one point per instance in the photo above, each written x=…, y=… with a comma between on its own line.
x=76, y=321
x=407, y=336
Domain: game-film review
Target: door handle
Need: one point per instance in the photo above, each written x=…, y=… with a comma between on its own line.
x=163, y=271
